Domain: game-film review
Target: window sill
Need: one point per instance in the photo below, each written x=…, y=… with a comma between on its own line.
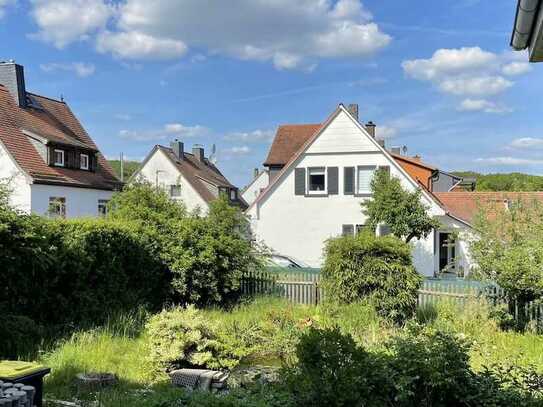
x=363, y=195
x=322, y=194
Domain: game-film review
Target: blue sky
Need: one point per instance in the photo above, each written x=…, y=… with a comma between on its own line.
x=436, y=76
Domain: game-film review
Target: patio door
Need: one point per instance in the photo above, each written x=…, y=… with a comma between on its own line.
x=447, y=251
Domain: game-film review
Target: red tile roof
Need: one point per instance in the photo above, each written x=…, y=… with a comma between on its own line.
x=54, y=121
x=466, y=205
x=288, y=140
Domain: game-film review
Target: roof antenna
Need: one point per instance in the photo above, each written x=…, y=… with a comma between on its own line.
x=61, y=97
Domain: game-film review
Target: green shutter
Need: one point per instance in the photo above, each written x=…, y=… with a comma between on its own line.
x=348, y=181
x=299, y=181
x=333, y=175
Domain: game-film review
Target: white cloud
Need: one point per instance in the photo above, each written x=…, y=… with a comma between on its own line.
x=385, y=132
x=3, y=5
x=254, y=136
x=508, y=161
x=169, y=131
x=289, y=34
x=81, y=69
x=237, y=151
x=465, y=71
x=527, y=143
x=138, y=45
x=516, y=68
x=482, y=105
x=62, y=22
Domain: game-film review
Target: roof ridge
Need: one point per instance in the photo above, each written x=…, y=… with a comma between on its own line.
x=47, y=97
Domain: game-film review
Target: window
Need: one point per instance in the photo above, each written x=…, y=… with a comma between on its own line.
x=359, y=229
x=347, y=230
x=84, y=161
x=317, y=180
x=233, y=195
x=102, y=207
x=365, y=176
x=447, y=251
x=175, y=191
x=58, y=156
x=223, y=191
x=57, y=207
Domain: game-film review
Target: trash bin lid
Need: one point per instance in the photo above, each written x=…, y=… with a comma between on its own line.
x=15, y=369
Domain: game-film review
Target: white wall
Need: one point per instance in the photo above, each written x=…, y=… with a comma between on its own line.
x=299, y=225
x=254, y=189
x=168, y=174
x=20, y=189
x=80, y=202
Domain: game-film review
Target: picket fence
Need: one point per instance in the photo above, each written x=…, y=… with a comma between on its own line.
x=302, y=286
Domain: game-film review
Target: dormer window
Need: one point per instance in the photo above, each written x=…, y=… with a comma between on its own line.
x=84, y=161
x=58, y=158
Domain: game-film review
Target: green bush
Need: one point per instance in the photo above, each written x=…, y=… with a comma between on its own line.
x=332, y=371
x=378, y=268
x=19, y=336
x=182, y=337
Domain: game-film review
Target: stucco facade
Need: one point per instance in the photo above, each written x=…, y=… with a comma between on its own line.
x=299, y=225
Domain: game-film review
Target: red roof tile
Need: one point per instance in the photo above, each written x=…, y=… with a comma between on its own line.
x=288, y=140
x=56, y=122
x=466, y=205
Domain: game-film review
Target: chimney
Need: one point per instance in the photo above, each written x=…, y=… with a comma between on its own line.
x=256, y=173
x=396, y=150
x=198, y=151
x=13, y=78
x=417, y=158
x=353, y=110
x=370, y=127
x=178, y=149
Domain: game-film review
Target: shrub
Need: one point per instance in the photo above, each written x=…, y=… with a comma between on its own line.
x=332, y=371
x=19, y=336
x=429, y=368
x=378, y=268
x=182, y=337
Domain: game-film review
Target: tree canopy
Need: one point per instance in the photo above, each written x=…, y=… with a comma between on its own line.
x=514, y=181
x=401, y=210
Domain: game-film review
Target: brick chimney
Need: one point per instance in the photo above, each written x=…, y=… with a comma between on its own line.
x=370, y=127
x=13, y=78
x=353, y=110
x=178, y=149
x=256, y=173
x=198, y=151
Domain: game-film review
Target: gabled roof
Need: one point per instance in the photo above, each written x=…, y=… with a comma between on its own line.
x=292, y=135
x=466, y=205
x=288, y=140
x=54, y=121
x=197, y=173
x=413, y=161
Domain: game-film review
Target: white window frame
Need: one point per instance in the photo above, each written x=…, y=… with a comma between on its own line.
x=58, y=202
x=84, y=167
x=233, y=194
x=172, y=187
x=358, y=167
x=56, y=163
x=308, y=181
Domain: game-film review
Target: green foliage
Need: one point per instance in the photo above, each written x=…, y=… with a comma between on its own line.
x=509, y=248
x=19, y=335
x=514, y=181
x=398, y=208
x=331, y=370
x=182, y=337
x=129, y=168
x=378, y=268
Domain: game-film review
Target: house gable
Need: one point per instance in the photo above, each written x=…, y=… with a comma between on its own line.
x=343, y=134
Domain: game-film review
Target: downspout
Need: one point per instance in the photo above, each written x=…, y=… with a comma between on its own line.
x=524, y=23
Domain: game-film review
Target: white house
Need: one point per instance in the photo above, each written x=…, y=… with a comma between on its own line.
x=259, y=183
x=319, y=174
x=189, y=177
x=51, y=164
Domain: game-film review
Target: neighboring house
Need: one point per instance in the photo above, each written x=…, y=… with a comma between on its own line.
x=528, y=29
x=189, y=177
x=319, y=176
x=53, y=166
x=261, y=180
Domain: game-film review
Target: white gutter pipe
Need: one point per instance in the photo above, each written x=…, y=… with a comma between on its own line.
x=524, y=23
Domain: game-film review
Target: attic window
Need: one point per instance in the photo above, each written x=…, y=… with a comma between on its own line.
x=233, y=194
x=84, y=161
x=58, y=156
x=317, y=180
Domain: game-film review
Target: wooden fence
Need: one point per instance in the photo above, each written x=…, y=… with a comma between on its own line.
x=302, y=286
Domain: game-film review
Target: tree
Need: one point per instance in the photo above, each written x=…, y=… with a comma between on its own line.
x=508, y=248
x=399, y=209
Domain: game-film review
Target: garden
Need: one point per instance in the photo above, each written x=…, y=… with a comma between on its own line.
x=152, y=288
